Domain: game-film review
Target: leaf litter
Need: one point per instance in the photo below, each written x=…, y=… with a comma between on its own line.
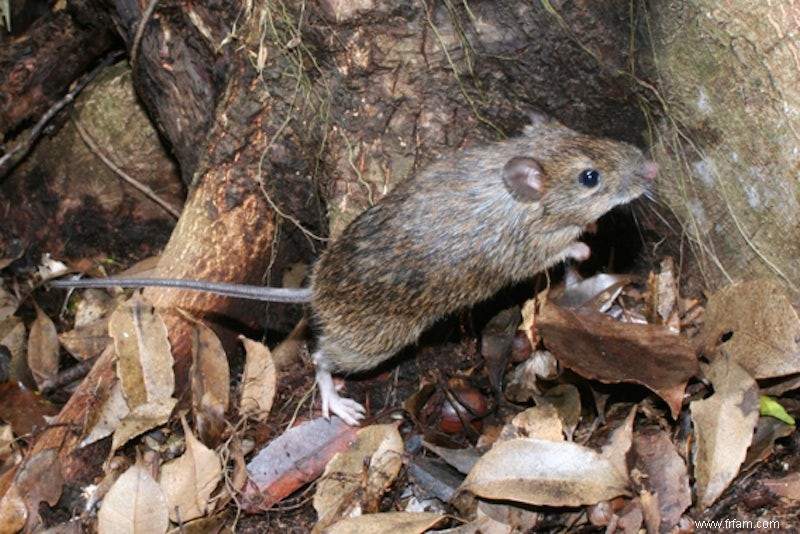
x=573, y=428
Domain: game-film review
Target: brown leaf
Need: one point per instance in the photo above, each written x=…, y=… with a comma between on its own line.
x=189, y=480
x=211, y=379
x=566, y=399
x=13, y=513
x=43, y=348
x=38, y=480
x=597, y=347
x=95, y=305
x=662, y=291
x=88, y=341
x=144, y=367
x=755, y=325
x=8, y=304
x=595, y=292
x=144, y=363
x=541, y=422
x=395, y=522
x=349, y=484
x=787, y=487
x=545, y=473
x=104, y=420
x=462, y=460
x=135, y=503
x=294, y=459
x=666, y=477
x=23, y=408
x=724, y=425
x=259, y=381
x=141, y=419
x=13, y=337
x=619, y=443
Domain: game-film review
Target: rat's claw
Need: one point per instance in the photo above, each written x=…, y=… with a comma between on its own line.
x=348, y=410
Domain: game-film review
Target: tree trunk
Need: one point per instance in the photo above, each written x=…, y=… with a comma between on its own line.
x=729, y=79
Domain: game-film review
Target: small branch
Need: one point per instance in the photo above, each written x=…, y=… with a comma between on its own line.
x=68, y=376
x=11, y=158
x=145, y=190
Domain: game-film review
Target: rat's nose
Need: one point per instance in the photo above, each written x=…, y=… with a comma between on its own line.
x=649, y=169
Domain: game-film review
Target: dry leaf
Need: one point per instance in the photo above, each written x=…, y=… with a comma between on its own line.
x=144, y=363
x=596, y=292
x=540, y=422
x=43, y=348
x=93, y=307
x=787, y=487
x=666, y=478
x=294, y=459
x=13, y=337
x=211, y=382
x=523, y=385
x=7, y=441
x=620, y=442
x=545, y=473
x=189, y=480
x=103, y=421
x=566, y=399
x=144, y=367
x=259, y=382
x=394, y=522
x=141, y=419
x=662, y=292
x=86, y=342
x=8, y=304
x=504, y=518
x=39, y=479
x=134, y=504
x=462, y=460
x=219, y=523
x=13, y=513
x=756, y=326
x=600, y=348
x=344, y=490
x=24, y=409
x=724, y=425
x=497, y=339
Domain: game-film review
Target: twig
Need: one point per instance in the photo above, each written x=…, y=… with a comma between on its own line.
x=137, y=39
x=145, y=190
x=68, y=376
x=11, y=158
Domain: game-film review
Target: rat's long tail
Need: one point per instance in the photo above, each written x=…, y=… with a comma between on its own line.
x=261, y=293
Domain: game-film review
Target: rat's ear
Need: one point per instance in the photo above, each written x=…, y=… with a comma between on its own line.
x=524, y=179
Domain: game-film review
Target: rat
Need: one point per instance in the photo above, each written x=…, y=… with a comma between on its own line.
x=453, y=235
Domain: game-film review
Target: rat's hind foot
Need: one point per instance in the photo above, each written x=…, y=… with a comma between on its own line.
x=348, y=410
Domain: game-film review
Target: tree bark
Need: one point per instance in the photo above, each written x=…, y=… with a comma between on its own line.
x=730, y=82
x=37, y=67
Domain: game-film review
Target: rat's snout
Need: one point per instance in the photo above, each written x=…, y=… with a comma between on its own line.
x=649, y=169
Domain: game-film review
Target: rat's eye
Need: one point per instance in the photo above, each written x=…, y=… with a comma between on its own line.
x=589, y=178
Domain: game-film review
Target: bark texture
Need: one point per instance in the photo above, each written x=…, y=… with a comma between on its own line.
x=729, y=77
x=36, y=68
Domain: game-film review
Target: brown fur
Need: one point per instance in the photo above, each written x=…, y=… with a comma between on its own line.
x=454, y=235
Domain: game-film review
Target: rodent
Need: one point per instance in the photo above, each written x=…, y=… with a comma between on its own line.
x=449, y=237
